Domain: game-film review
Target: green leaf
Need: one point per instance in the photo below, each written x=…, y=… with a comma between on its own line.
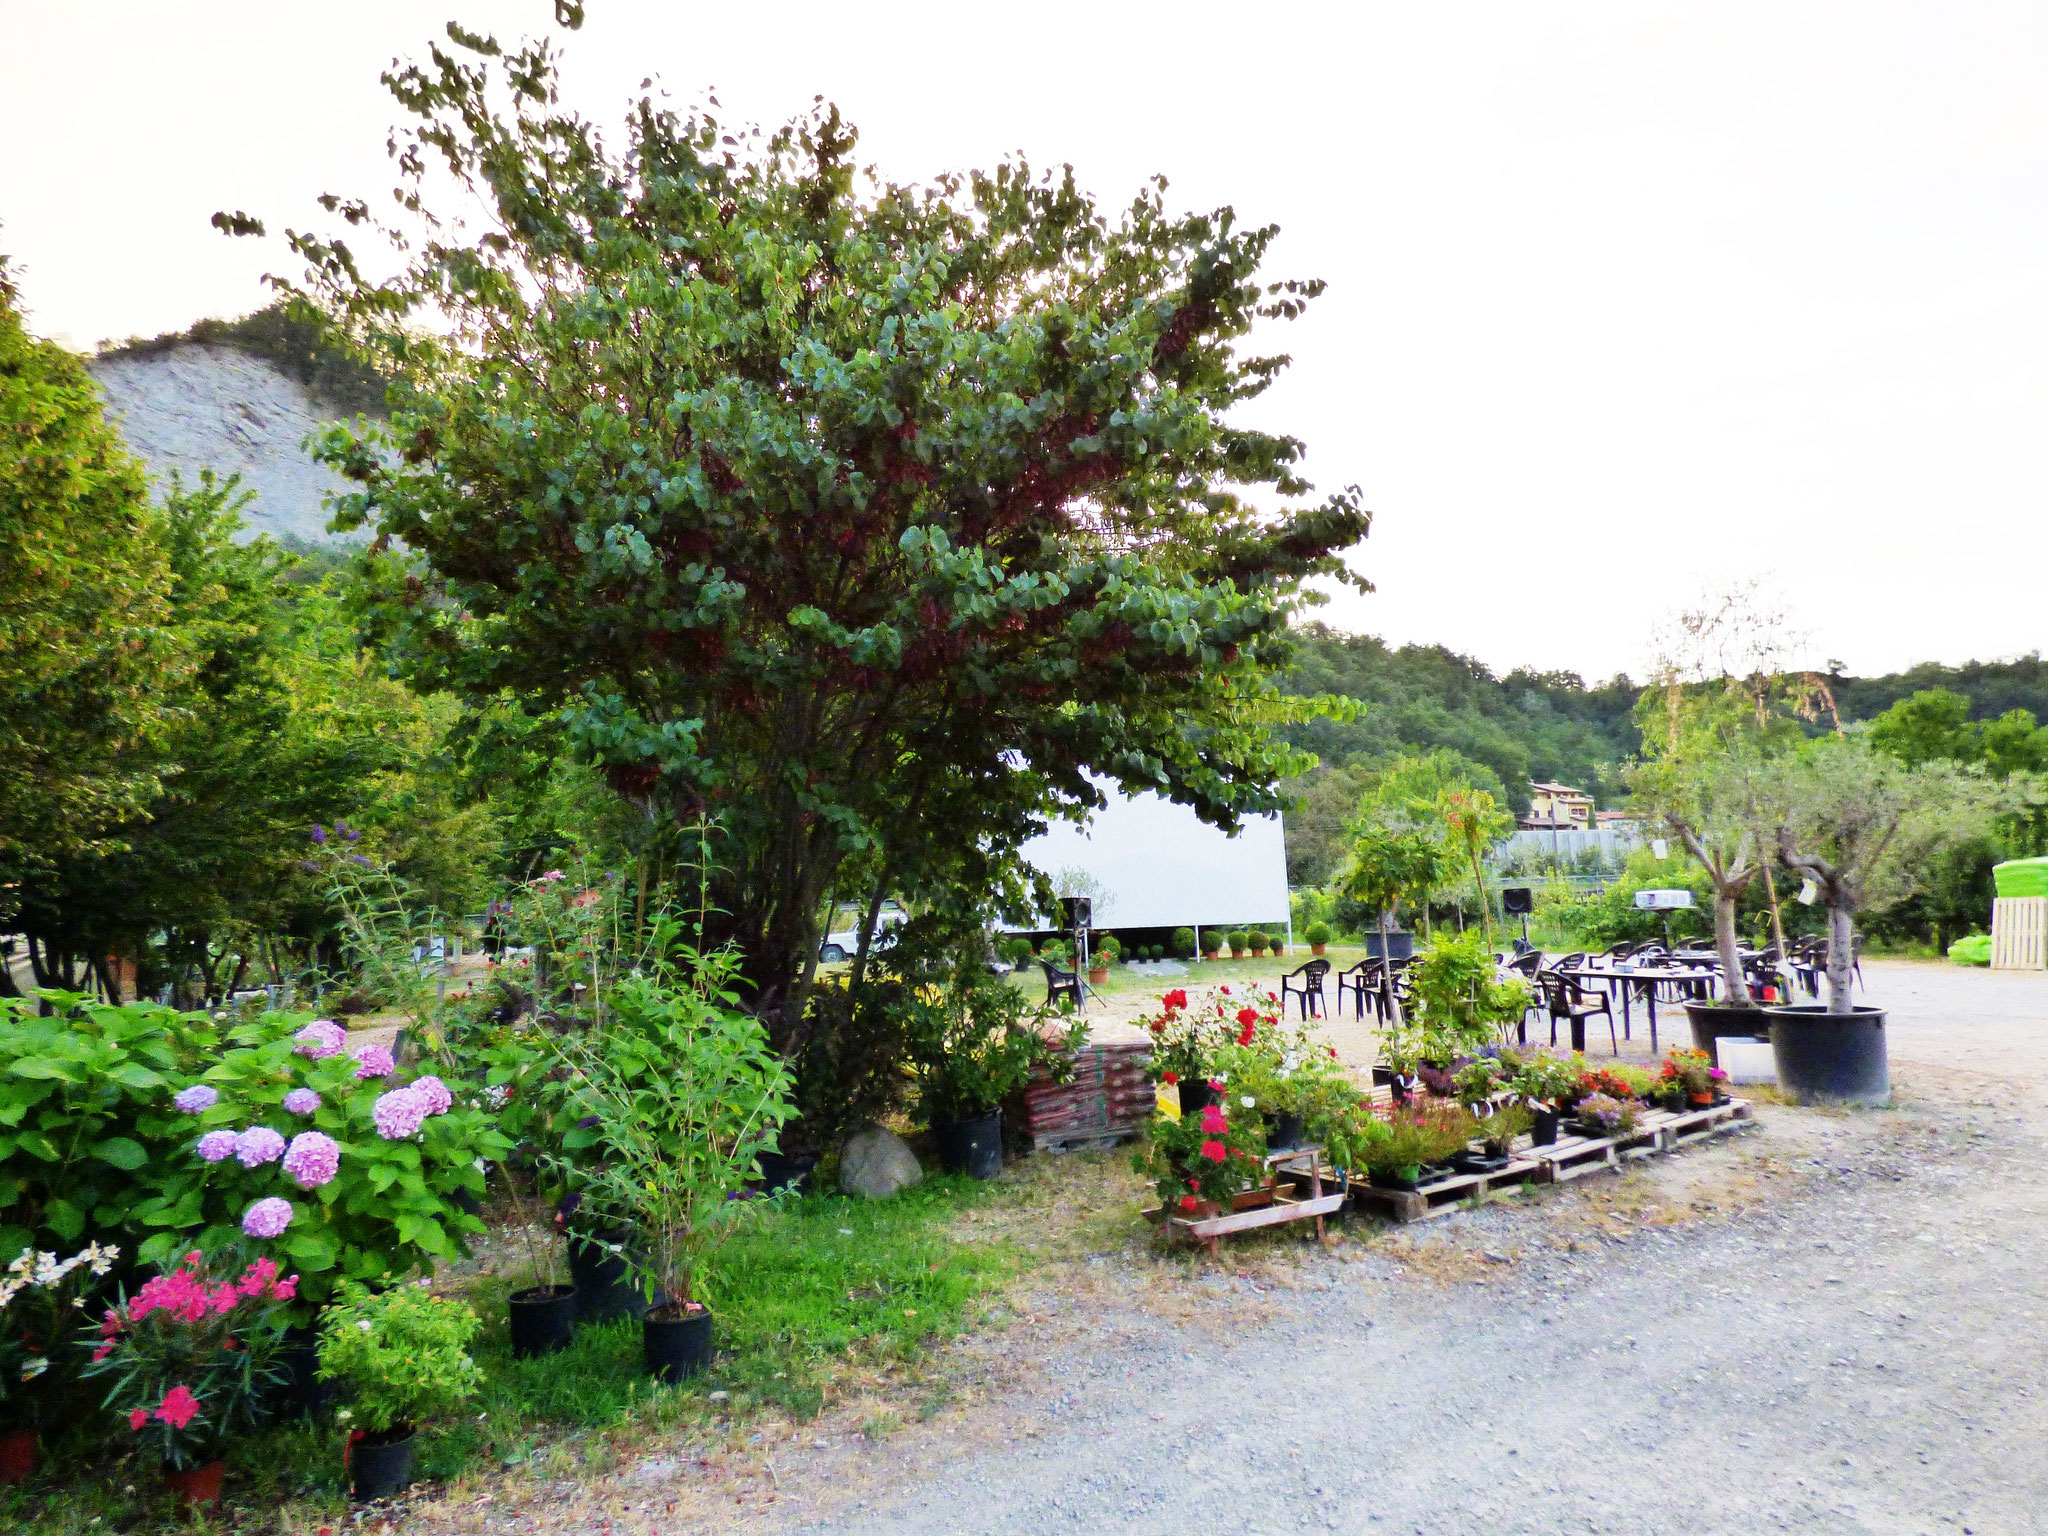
x=64, y=1219
x=123, y=1152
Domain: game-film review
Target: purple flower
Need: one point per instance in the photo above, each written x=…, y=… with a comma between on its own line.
x=353, y=834
x=319, y=833
x=320, y=1039
x=217, y=1146
x=399, y=1114
x=312, y=1159
x=375, y=1061
x=268, y=1217
x=258, y=1145
x=434, y=1093
x=302, y=1101
x=197, y=1099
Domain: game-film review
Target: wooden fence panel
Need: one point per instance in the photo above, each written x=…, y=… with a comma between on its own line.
x=2019, y=933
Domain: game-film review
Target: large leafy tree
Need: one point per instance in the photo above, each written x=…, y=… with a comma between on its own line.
x=869, y=517
x=85, y=653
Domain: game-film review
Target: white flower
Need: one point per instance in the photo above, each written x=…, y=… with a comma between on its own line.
x=1247, y=1101
x=22, y=1262
x=363, y=1324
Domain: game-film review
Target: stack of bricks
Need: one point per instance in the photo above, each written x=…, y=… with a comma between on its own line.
x=1110, y=1095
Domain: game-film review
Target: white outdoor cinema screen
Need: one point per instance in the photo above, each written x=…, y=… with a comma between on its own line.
x=1163, y=867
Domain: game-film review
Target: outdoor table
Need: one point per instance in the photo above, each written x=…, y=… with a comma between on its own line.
x=1643, y=977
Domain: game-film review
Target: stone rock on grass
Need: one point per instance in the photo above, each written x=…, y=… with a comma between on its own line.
x=876, y=1163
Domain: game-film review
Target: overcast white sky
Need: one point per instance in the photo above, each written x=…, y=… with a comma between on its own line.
x=1623, y=298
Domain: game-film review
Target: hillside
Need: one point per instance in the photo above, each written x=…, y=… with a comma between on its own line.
x=239, y=397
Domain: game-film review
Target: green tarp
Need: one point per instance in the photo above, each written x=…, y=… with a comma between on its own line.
x=1972, y=950
x=2021, y=877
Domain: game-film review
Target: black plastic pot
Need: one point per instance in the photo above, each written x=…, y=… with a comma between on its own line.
x=675, y=1344
x=1283, y=1130
x=380, y=1466
x=1543, y=1126
x=971, y=1146
x=543, y=1320
x=1195, y=1097
x=787, y=1170
x=301, y=1393
x=1714, y=1022
x=604, y=1289
x=1404, y=1177
x=1399, y=945
x=1478, y=1162
x=1822, y=1055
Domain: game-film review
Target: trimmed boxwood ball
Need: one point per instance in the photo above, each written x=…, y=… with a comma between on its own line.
x=1184, y=943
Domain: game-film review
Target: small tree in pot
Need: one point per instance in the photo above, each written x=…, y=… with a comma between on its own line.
x=1388, y=866
x=973, y=1043
x=1864, y=829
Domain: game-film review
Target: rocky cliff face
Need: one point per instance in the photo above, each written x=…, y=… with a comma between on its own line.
x=197, y=407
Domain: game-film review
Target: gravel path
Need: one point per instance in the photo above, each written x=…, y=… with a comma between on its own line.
x=1862, y=1352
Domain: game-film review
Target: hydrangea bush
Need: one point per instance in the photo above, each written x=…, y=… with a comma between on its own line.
x=165, y=1131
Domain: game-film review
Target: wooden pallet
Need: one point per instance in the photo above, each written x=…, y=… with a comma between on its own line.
x=1297, y=1193
x=1660, y=1130
x=1444, y=1195
x=1084, y=1141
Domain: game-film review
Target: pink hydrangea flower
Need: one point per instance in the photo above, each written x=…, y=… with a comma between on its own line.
x=197, y=1099
x=399, y=1113
x=268, y=1217
x=217, y=1146
x=301, y=1101
x=434, y=1092
x=375, y=1061
x=320, y=1039
x=312, y=1159
x=258, y=1145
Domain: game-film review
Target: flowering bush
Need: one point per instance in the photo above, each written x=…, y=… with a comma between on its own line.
x=191, y=1355
x=40, y=1299
x=1692, y=1071
x=1205, y=1158
x=1604, y=1115
x=405, y=1351
x=287, y=1148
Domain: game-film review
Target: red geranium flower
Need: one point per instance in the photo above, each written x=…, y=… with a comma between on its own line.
x=178, y=1408
x=1213, y=1150
x=1216, y=1084
x=137, y=1417
x=1169, y=1078
x=1247, y=1017
x=1158, y=1026
x=1190, y=1203
x=1177, y=998
x=1212, y=1120
x=1195, y=1184
x=1244, y=1036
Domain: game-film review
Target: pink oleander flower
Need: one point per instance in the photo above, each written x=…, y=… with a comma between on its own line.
x=375, y=1061
x=137, y=1417
x=258, y=1145
x=301, y=1101
x=178, y=1408
x=320, y=1039
x=399, y=1113
x=434, y=1092
x=267, y=1218
x=197, y=1099
x=217, y=1146
x=312, y=1159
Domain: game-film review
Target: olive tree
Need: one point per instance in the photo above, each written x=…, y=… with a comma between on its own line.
x=870, y=518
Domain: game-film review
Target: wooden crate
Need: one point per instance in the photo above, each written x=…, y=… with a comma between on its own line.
x=2019, y=933
x=1444, y=1195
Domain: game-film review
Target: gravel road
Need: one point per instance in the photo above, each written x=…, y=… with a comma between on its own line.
x=1863, y=1351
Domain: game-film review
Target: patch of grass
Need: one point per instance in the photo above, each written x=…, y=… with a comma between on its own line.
x=824, y=1285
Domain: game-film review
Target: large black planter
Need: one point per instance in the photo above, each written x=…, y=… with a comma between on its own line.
x=971, y=1146
x=675, y=1347
x=1283, y=1130
x=380, y=1466
x=1195, y=1096
x=1822, y=1055
x=1714, y=1022
x=1399, y=946
x=604, y=1287
x=543, y=1320
x=787, y=1170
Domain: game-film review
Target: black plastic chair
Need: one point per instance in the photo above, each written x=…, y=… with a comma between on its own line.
x=1305, y=983
x=1567, y=1000
x=1362, y=980
x=1059, y=983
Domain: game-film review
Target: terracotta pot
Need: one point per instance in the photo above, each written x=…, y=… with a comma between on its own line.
x=1097, y=975
x=1317, y=949
x=1211, y=954
x=1237, y=954
x=1703, y=1100
x=195, y=1487
x=20, y=1453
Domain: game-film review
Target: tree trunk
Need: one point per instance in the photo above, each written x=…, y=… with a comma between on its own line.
x=1841, y=956
x=1735, y=986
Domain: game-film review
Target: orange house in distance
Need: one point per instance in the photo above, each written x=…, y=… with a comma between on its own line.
x=1557, y=808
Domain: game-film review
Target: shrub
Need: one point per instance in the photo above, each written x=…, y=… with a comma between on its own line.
x=1260, y=939
x=976, y=1041
x=1014, y=950
x=404, y=1351
x=1317, y=933
x=1420, y=1136
x=160, y=1132
x=1184, y=943
x=1236, y=940
x=1460, y=1001
x=848, y=1062
x=1107, y=950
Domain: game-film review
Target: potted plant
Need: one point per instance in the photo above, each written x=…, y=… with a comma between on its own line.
x=1212, y=947
x=1693, y=1075
x=1236, y=940
x=1548, y=1084
x=40, y=1297
x=682, y=1092
x=1387, y=866
x=1459, y=997
x=973, y=1043
x=1105, y=954
x=1183, y=1040
x=404, y=1353
x=1260, y=942
x=1417, y=1140
x=1479, y=1081
x=543, y=1314
x=1205, y=1162
x=1183, y=943
x=1865, y=829
x=191, y=1358
x=1497, y=1133
x=1318, y=936
x=1602, y=1115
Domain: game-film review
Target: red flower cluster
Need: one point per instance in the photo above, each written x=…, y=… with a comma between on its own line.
x=178, y=1409
x=1169, y=1078
x=1214, y=1151
x=185, y=1298
x=1212, y=1120
x=1190, y=1203
x=1175, y=1000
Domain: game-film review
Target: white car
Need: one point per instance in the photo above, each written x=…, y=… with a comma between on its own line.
x=845, y=944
